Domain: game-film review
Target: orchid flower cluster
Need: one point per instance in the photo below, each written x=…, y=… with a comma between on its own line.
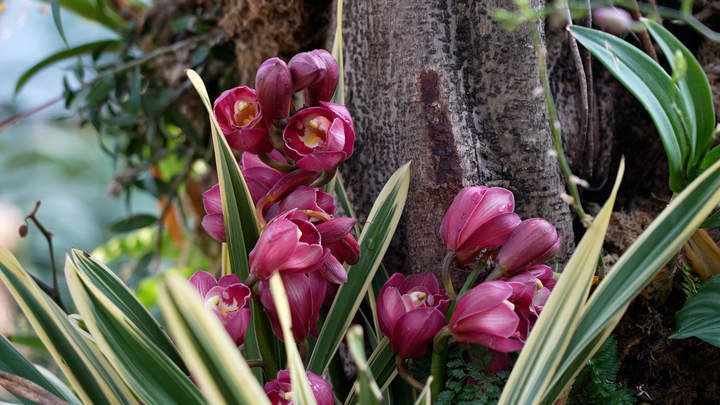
x=499, y=312
x=288, y=154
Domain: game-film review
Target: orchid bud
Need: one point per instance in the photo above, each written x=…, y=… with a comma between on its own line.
x=214, y=222
x=306, y=69
x=306, y=293
x=288, y=245
x=613, y=20
x=273, y=84
x=279, y=391
x=228, y=299
x=238, y=113
x=484, y=316
x=318, y=139
x=325, y=88
x=533, y=241
x=411, y=311
x=478, y=218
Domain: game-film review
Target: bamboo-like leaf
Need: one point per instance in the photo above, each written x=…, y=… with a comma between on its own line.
x=650, y=84
x=373, y=241
x=369, y=392
x=241, y=226
x=639, y=264
x=552, y=332
x=425, y=397
x=301, y=392
x=382, y=368
x=695, y=89
x=211, y=355
x=108, y=285
x=147, y=370
x=55, y=8
x=89, y=9
x=89, y=373
x=11, y=361
x=59, y=385
x=108, y=45
x=337, y=53
x=712, y=221
x=700, y=316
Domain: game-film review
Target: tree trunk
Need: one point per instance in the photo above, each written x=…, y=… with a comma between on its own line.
x=440, y=83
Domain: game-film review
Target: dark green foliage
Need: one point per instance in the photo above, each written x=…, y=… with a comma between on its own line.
x=467, y=380
x=596, y=383
x=691, y=281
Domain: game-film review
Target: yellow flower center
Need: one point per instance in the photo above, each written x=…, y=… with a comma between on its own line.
x=315, y=131
x=244, y=113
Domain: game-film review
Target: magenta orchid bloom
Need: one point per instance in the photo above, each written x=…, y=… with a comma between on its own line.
x=304, y=198
x=279, y=391
x=289, y=245
x=318, y=139
x=534, y=241
x=336, y=238
x=228, y=299
x=411, y=311
x=273, y=84
x=531, y=290
x=306, y=293
x=307, y=69
x=478, y=218
x=484, y=315
x=240, y=118
x=259, y=177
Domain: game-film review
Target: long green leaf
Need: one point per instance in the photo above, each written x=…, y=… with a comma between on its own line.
x=90, y=374
x=374, y=242
x=146, y=369
x=110, y=286
x=11, y=361
x=552, y=331
x=108, y=45
x=301, y=392
x=639, y=264
x=90, y=10
x=700, y=316
x=695, y=89
x=425, y=397
x=650, y=84
x=212, y=356
x=241, y=226
x=55, y=8
x=382, y=368
x=337, y=53
x=369, y=392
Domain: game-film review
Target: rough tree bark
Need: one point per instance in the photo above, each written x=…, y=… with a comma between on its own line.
x=440, y=83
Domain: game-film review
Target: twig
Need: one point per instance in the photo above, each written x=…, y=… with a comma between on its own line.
x=54, y=293
x=644, y=35
x=22, y=115
x=582, y=79
x=27, y=389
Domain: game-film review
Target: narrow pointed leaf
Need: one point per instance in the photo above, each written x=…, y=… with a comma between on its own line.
x=367, y=387
x=694, y=86
x=374, y=241
x=425, y=397
x=639, y=264
x=90, y=10
x=146, y=369
x=337, y=53
x=301, y=392
x=211, y=355
x=111, y=287
x=551, y=334
x=650, y=84
x=89, y=373
x=382, y=367
x=700, y=316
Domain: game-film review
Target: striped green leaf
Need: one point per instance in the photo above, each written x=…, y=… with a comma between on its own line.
x=651, y=85
x=241, y=227
x=639, y=264
x=382, y=368
x=337, y=53
x=11, y=361
x=106, y=284
x=695, y=90
x=91, y=376
x=552, y=332
x=700, y=317
x=425, y=397
x=374, y=241
x=148, y=371
x=368, y=390
x=210, y=353
x=301, y=392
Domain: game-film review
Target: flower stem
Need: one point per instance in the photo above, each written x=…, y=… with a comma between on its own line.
x=495, y=274
x=439, y=362
x=447, y=281
x=304, y=348
x=285, y=168
x=326, y=177
x=402, y=372
x=474, y=274
x=255, y=363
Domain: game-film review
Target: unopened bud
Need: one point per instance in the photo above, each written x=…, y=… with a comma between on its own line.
x=680, y=68
x=306, y=69
x=273, y=85
x=613, y=20
x=324, y=89
x=23, y=231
